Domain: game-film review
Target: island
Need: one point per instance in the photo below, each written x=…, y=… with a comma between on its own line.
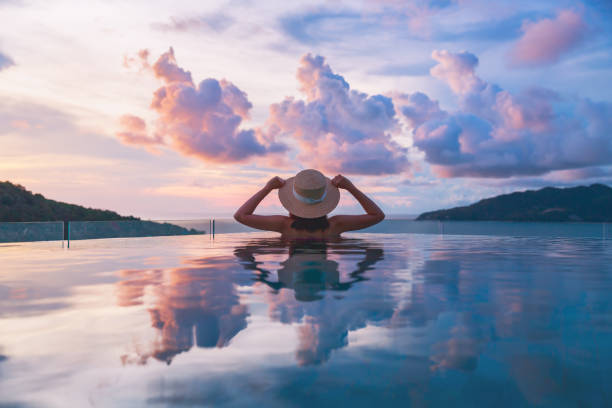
x=49, y=219
x=574, y=204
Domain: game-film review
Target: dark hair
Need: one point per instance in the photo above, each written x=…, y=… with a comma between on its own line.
x=310, y=224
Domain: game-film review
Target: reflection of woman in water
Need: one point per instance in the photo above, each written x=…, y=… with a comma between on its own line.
x=307, y=271
x=309, y=197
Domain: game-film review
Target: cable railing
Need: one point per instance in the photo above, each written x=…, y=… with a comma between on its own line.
x=67, y=231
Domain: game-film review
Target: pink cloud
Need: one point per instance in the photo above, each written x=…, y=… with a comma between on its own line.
x=458, y=70
x=134, y=132
x=140, y=60
x=545, y=41
x=338, y=129
x=201, y=121
x=166, y=69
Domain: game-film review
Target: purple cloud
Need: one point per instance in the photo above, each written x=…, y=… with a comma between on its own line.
x=545, y=41
x=338, y=129
x=458, y=70
x=200, y=120
x=417, y=108
x=495, y=133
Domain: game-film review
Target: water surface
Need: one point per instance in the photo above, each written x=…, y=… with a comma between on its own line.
x=385, y=319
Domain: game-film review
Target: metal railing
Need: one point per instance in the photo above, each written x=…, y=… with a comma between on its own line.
x=31, y=231
x=80, y=230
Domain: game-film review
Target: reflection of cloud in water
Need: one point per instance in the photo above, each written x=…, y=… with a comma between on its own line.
x=19, y=299
x=197, y=304
x=461, y=350
x=471, y=293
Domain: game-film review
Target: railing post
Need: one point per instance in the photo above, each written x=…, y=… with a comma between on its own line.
x=66, y=230
x=213, y=228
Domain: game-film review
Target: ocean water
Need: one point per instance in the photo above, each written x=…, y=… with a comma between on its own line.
x=420, y=320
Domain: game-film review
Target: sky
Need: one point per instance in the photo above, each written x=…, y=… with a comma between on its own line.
x=179, y=110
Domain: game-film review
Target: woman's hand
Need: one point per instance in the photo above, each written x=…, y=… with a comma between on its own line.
x=342, y=182
x=275, y=182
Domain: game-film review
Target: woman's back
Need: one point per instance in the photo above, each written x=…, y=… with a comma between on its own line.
x=309, y=197
x=309, y=228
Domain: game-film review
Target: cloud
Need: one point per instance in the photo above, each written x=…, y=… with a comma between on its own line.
x=457, y=70
x=587, y=173
x=312, y=26
x=334, y=24
x=493, y=28
x=134, y=132
x=495, y=133
x=198, y=306
x=417, y=13
x=338, y=129
x=201, y=121
x=417, y=108
x=166, y=69
x=5, y=61
x=216, y=22
x=545, y=41
x=140, y=60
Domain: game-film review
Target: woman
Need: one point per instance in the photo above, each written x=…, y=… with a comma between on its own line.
x=309, y=197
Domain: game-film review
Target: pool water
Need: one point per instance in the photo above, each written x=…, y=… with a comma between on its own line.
x=248, y=320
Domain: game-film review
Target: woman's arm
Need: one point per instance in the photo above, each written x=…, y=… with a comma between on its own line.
x=373, y=215
x=244, y=214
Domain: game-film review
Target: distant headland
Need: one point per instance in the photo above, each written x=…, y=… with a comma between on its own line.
x=575, y=204
x=20, y=205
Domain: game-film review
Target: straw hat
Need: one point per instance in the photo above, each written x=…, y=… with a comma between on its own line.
x=309, y=194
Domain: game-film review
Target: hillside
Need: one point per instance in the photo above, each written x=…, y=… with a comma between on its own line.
x=20, y=205
x=585, y=203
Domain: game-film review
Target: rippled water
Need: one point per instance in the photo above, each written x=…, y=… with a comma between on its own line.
x=391, y=320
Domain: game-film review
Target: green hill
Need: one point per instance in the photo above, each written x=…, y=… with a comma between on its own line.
x=588, y=204
x=20, y=205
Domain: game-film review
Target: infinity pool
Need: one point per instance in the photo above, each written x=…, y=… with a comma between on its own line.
x=247, y=320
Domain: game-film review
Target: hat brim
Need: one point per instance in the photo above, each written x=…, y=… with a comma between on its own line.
x=301, y=209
